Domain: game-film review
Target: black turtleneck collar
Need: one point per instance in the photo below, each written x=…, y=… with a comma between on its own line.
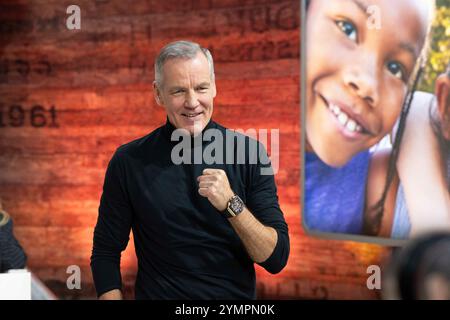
x=169, y=128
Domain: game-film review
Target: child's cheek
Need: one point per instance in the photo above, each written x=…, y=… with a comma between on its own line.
x=392, y=95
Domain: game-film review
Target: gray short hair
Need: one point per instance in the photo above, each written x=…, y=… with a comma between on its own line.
x=181, y=49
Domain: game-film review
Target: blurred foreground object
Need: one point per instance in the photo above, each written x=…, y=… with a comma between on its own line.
x=420, y=270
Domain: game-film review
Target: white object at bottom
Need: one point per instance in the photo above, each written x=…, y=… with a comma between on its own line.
x=15, y=285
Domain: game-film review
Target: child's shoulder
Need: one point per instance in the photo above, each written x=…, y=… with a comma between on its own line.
x=420, y=107
x=422, y=96
x=376, y=182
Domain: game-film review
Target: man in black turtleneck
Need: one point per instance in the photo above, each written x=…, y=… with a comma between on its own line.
x=198, y=227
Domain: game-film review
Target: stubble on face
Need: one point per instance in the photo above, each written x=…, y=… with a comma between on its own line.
x=187, y=93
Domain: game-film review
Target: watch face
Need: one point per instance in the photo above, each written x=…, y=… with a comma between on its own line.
x=236, y=205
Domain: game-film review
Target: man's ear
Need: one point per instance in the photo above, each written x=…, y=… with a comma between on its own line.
x=157, y=94
x=214, y=89
x=442, y=91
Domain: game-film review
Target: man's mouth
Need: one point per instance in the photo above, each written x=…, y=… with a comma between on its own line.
x=191, y=115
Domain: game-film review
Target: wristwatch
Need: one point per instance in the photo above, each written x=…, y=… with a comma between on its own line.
x=234, y=207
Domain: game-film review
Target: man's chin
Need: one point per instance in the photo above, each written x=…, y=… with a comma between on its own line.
x=194, y=129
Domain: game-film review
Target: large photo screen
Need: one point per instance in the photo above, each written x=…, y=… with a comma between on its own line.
x=375, y=103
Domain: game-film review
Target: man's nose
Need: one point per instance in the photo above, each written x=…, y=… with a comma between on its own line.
x=362, y=79
x=191, y=100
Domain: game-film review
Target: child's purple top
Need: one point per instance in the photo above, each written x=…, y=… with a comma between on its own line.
x=334, y=197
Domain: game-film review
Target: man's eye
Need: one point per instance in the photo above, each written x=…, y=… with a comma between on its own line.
x=396, y=69
x=348, y=29
x=202, y=89
x=177, y=91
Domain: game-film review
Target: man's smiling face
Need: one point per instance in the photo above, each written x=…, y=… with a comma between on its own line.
x=187, y=92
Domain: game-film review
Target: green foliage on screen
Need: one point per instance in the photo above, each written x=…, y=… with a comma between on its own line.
x=439, y=55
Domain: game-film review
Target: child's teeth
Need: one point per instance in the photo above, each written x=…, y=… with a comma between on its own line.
x=336, y=110
x=351, y=125
x=342, y=118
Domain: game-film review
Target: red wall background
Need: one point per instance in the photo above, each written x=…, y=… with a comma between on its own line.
x=69, y=98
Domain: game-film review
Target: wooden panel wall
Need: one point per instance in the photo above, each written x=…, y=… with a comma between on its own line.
x=69, y=98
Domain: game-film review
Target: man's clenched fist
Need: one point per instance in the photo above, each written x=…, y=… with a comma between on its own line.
x=214, y=185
